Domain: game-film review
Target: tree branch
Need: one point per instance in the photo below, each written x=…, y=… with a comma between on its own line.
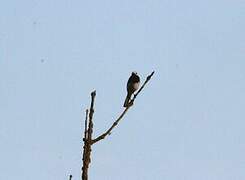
x=70, y=177
x=86, y=125
x=110, y=129
x=88, y=139
x=102, y=136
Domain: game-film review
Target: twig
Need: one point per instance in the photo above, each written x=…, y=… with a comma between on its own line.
x=91, y=113
x=110, y=129
x=102, y=136
x=70, y=177
x=86, y=125
x=85, y=135
x=88, y=139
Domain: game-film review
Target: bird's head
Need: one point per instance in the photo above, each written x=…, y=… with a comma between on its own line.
x=134, y=73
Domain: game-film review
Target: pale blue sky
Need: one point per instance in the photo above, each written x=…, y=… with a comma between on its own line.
x=188, y=124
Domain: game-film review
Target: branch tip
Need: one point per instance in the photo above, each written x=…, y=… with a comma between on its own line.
x=93, y=93
x=70, y=177
x=149, y=77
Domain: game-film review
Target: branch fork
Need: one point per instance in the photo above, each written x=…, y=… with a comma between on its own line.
x=88, y=131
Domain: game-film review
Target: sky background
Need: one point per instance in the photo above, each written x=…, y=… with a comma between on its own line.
x=187, y=124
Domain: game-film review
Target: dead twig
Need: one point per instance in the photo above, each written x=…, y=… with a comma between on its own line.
x=86, y=125
x=70, y=177
x=88, y=139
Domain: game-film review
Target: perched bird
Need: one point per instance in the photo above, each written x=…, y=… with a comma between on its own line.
x=132, y=86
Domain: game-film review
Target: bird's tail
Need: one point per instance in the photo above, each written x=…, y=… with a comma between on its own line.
x=127, y=100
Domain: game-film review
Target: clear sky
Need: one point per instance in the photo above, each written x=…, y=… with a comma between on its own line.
x=187, y=124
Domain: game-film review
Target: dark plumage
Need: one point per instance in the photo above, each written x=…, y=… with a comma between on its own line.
x=132, y=86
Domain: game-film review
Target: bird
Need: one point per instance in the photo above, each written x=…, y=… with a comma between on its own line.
x=132, y=86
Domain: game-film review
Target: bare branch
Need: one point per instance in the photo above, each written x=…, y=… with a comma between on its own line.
x=86, y=126
x=91, y=113
x=70, y=177
x=88, y=140
x=102, y=136
x=110, y=129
